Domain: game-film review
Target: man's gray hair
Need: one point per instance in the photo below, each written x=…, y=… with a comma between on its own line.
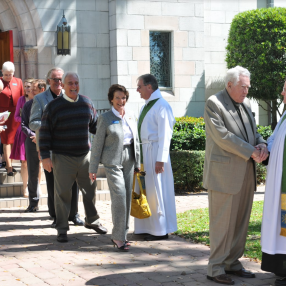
x=149, y=79
x=234, y=73
x=69, y=73
x=50, y=72
x=8, y=66
x=1, y=85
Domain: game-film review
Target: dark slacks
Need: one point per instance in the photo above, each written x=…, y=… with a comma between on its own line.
x=51, y=196
x=33, y=171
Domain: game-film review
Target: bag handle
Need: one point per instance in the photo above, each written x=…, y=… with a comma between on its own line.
x=139, y=183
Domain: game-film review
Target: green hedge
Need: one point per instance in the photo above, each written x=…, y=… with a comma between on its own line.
x=187, y=153
x=188, y=134
x=187, y=169
x=264, y=131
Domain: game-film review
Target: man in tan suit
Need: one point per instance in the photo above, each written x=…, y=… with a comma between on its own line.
x=232, y=148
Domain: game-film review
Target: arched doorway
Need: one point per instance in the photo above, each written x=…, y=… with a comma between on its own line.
x=18, y=17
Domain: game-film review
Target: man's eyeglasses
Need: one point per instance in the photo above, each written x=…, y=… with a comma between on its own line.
x=56, y=79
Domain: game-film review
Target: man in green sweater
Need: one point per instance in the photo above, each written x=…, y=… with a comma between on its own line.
x=64, y=131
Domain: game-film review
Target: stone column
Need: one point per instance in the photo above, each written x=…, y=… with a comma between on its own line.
x=17, y=62
x=31, y=62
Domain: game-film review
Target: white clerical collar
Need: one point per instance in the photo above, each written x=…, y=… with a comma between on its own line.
x=69, y=99
x=156, y=94
x=116, y=113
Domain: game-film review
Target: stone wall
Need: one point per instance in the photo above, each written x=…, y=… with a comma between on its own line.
x=89, y=57
x=130, y=24
x=110, y=44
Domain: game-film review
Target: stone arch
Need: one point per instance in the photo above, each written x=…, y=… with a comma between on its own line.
x=22, y=17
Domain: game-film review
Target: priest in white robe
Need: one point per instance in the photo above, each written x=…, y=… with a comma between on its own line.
x=273, y=231
x=155, y=127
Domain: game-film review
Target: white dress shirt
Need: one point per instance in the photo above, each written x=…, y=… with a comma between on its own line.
x=128, y=136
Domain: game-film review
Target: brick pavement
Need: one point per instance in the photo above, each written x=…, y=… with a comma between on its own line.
x=30, y=254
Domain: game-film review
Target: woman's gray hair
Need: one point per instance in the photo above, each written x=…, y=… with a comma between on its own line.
x=8, y=66
x=234, y=74
x=50, y=72
x=69, y=73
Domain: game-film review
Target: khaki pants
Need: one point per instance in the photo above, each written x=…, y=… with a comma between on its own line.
x=229, y=218
x=67, y=170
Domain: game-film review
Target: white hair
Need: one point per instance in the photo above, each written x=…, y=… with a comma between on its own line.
x=50, y=72
x=69, y=73
x=8, y=66
x=234, y=74
x=1, y=85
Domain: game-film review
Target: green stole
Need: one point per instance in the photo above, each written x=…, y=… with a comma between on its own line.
x=283, y=189
x=145, y=110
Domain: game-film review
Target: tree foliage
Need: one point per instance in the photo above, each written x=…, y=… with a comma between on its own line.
x=257, y=41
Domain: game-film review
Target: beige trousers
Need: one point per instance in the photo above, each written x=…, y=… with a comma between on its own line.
x=229, y=218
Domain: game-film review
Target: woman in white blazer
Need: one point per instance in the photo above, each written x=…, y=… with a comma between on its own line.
x=116, y=146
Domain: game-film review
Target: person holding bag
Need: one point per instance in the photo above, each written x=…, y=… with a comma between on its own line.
x=116, y=146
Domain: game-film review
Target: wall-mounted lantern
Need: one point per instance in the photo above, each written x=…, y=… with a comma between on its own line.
x=63, y=37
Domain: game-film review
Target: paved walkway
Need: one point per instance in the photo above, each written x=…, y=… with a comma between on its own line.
x=30, y=254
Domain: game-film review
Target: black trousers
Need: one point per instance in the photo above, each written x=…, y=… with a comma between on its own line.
x=51, y=196
x=33, y=171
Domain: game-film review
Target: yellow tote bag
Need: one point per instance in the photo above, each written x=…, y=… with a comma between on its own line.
x=139, y=205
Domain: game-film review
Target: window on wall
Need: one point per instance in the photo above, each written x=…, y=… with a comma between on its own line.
x=160, y=57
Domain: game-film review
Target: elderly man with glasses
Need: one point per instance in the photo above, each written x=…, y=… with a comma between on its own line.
x=54, y=80
x=233, y=147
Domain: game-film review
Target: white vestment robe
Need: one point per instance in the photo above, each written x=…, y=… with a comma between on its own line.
x=156, y=134
x=271, y=240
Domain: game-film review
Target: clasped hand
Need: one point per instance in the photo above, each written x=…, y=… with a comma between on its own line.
x=260, y=153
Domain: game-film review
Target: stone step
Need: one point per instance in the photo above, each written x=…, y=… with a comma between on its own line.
x=16, y=178
x=11, y=190
x=102, y=195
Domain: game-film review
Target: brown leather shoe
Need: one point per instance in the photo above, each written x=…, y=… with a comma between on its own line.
x=99, y=228
x=222, y=279
x=242, y=273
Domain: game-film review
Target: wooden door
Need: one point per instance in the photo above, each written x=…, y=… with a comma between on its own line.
x=6, y=47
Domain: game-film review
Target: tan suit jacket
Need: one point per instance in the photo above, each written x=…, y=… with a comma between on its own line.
x=227, y=148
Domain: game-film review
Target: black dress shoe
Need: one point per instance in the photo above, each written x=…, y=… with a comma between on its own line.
x=30, y=209
x=222, y=279
x=99, y=228
x=13, y=170
x=280, y=281
x=53, y=225
x=242, y=273
x=62, y=237
x=151, y=237
x=77, y=221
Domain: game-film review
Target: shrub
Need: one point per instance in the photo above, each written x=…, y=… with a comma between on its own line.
x=264, y=131
x=257, y=41
x=188, y=134
x=260, y=173
x=187, y=169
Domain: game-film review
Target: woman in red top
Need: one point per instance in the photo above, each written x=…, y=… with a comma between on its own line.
x=12, y=91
